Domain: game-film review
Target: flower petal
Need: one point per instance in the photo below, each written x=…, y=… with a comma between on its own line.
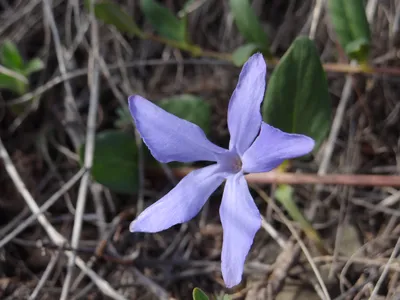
x=244, y=117
x=182, y=203
x=168, y=137
x=240, y=221
x=272, y=147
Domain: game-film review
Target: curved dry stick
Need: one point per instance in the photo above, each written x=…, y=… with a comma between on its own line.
x=307, y=178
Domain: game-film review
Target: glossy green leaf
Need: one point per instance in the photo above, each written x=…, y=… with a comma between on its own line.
x=10, y=56
x=13, y=84
x=189, y=107
x=351, y=26
x=198, y=294
x=113, y=14
x=164, y=21
x=248, y=24
x=297, y=98
x=115, y=161
x=33, y=66
x=242, y=54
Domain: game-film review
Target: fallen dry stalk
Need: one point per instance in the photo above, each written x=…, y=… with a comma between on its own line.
x=307, y=178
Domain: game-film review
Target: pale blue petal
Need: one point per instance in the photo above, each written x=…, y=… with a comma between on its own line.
x=168, y=137
x=272, y=147
x=182, y=203
x=244, y=117
x=240, y=221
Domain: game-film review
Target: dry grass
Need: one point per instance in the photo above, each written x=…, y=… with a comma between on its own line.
x=90, y=71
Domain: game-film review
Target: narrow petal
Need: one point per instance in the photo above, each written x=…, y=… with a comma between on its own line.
x=168, y=137
x=244, y=117
x=182, y=203
x=272, y=147
x=240, y=221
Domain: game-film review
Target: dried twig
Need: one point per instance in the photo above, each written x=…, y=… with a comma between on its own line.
x=72, y=118
x=53, y=234
x=47, y=204
x=288, y=260
x=303, y=178
x=45, y=276
x=385, y=270
x=89, y=150
x=316, y=17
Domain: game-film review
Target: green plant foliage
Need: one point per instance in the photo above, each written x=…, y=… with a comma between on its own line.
x=242, y=54
x=351, y=26
x=10, y=56
x=13, y=84
x=113, y=14
x=189, y=107
x=164, y=21
x=115, y=161
x=297, y=98
x=34, y=65
x=198, y=294
x=249, y=25
x=15, y=72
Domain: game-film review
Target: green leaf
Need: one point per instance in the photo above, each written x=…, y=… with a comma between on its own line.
x=198, y=294
x=13, y=84
x=112, y=14
x=248, y=24
x=297, y=98
x=242, y=54
x=224, y=297
x=351, y=26
x=164, y=21
x=189, y=107
x=10, y=57
x=33, y=66
x=115, y=161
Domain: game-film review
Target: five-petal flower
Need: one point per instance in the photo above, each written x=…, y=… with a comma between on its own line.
x=254, y=147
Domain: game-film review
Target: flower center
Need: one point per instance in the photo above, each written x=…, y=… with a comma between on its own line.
x=237, y=164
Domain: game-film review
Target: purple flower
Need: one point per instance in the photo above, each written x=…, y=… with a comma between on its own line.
x=254, y=147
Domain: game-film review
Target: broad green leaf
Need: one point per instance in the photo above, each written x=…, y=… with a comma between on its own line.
x=248, y=24
x=115, y=161
x=112, y=14
x=297, y=98
x=10, y=57
x=198, y=294
x=189, y=107
x=33, y=66
x=13, y=84
x=351, y=26
x=164, y=21
x=242, y=54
